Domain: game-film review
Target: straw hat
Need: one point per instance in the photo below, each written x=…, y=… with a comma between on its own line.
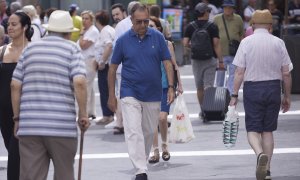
x=261, y=17
x=60, y=21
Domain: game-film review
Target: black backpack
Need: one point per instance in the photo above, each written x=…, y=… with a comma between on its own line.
x=201, y=45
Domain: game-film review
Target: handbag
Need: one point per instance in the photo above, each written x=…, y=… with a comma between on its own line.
x=181, y=130
x=233, y=44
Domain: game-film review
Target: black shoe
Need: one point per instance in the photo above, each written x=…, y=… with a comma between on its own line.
x=142, y=176
x=118, y=130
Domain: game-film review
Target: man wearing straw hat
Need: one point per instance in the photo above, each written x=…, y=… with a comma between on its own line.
x=262, y=62
x=48, y=77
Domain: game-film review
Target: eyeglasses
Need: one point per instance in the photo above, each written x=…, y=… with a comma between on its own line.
x=140, y=21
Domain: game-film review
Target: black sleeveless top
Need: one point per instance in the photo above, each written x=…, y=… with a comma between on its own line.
x=6, y=71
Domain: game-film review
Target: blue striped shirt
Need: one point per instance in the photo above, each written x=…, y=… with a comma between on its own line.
x=46, y=70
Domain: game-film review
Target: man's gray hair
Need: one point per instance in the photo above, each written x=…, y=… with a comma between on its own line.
x=15, y=6
x=130, y=6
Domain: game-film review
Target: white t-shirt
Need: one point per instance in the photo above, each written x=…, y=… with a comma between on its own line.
x=92, y=35
x=107, y=35
x=214, y=11
x=248, y=12
x=122, y=27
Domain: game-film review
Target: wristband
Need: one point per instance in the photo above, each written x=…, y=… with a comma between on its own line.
x=234, y=95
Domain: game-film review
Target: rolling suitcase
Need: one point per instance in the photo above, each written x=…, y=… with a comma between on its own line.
x=215, y=103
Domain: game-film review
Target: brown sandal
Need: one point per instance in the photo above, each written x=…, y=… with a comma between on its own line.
x=165, y=154
x=155, y=158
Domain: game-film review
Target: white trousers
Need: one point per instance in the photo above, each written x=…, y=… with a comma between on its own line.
x=140, y=122
x=91, y=73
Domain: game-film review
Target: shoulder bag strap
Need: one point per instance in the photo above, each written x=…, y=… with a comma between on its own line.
x=2, y=53
x=225, y=27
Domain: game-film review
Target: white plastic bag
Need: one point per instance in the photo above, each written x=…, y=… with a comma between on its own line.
x=181, y=130
x=230, y=127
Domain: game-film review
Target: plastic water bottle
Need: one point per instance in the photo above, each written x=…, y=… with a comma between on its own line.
x=230, y=127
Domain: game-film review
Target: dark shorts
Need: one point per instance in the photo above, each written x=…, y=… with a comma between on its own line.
x=164, y=107
x=262, y=102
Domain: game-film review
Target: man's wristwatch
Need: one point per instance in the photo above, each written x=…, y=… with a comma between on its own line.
x=234, y=95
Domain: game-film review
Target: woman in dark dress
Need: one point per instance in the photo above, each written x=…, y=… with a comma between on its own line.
x=20, y=32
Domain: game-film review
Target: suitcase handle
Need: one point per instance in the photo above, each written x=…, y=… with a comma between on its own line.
x=225, y=76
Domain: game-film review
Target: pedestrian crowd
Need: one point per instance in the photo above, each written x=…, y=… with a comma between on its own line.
x=49, y=61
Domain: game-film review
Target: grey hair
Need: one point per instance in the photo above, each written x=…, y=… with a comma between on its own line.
x=130, y=6
x=14, y=6
x=139, y=7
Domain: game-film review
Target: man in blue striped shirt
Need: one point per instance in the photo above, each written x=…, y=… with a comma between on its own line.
x=48, y=77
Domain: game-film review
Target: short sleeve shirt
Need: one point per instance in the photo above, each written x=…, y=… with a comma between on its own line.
x=262, y=55
x=235, y=28
x=107, y=35
x=92, y=35
x=141, y=60
x=46, y=70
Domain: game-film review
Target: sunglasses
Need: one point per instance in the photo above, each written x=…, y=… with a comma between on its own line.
x=140, y=21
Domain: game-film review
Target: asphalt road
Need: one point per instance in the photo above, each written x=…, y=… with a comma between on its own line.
x=204, y=158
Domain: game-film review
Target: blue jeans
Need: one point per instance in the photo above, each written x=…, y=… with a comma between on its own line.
x=221, y=74
x=103, y=89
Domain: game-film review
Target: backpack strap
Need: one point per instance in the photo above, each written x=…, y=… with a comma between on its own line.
x=207, y=25
x=194, y=24
x=196, y=27
x=2, y=53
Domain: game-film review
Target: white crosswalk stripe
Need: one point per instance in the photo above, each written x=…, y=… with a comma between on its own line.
x=185, y=153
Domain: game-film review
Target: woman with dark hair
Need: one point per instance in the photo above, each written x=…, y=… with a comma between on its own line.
x=165, y=107
x=20, y=33
x=103, y=49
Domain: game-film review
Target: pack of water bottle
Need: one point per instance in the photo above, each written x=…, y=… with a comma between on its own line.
x=230, y=127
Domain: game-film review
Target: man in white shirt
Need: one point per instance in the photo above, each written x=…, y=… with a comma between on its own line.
x=123, y=26
x=262, y=63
